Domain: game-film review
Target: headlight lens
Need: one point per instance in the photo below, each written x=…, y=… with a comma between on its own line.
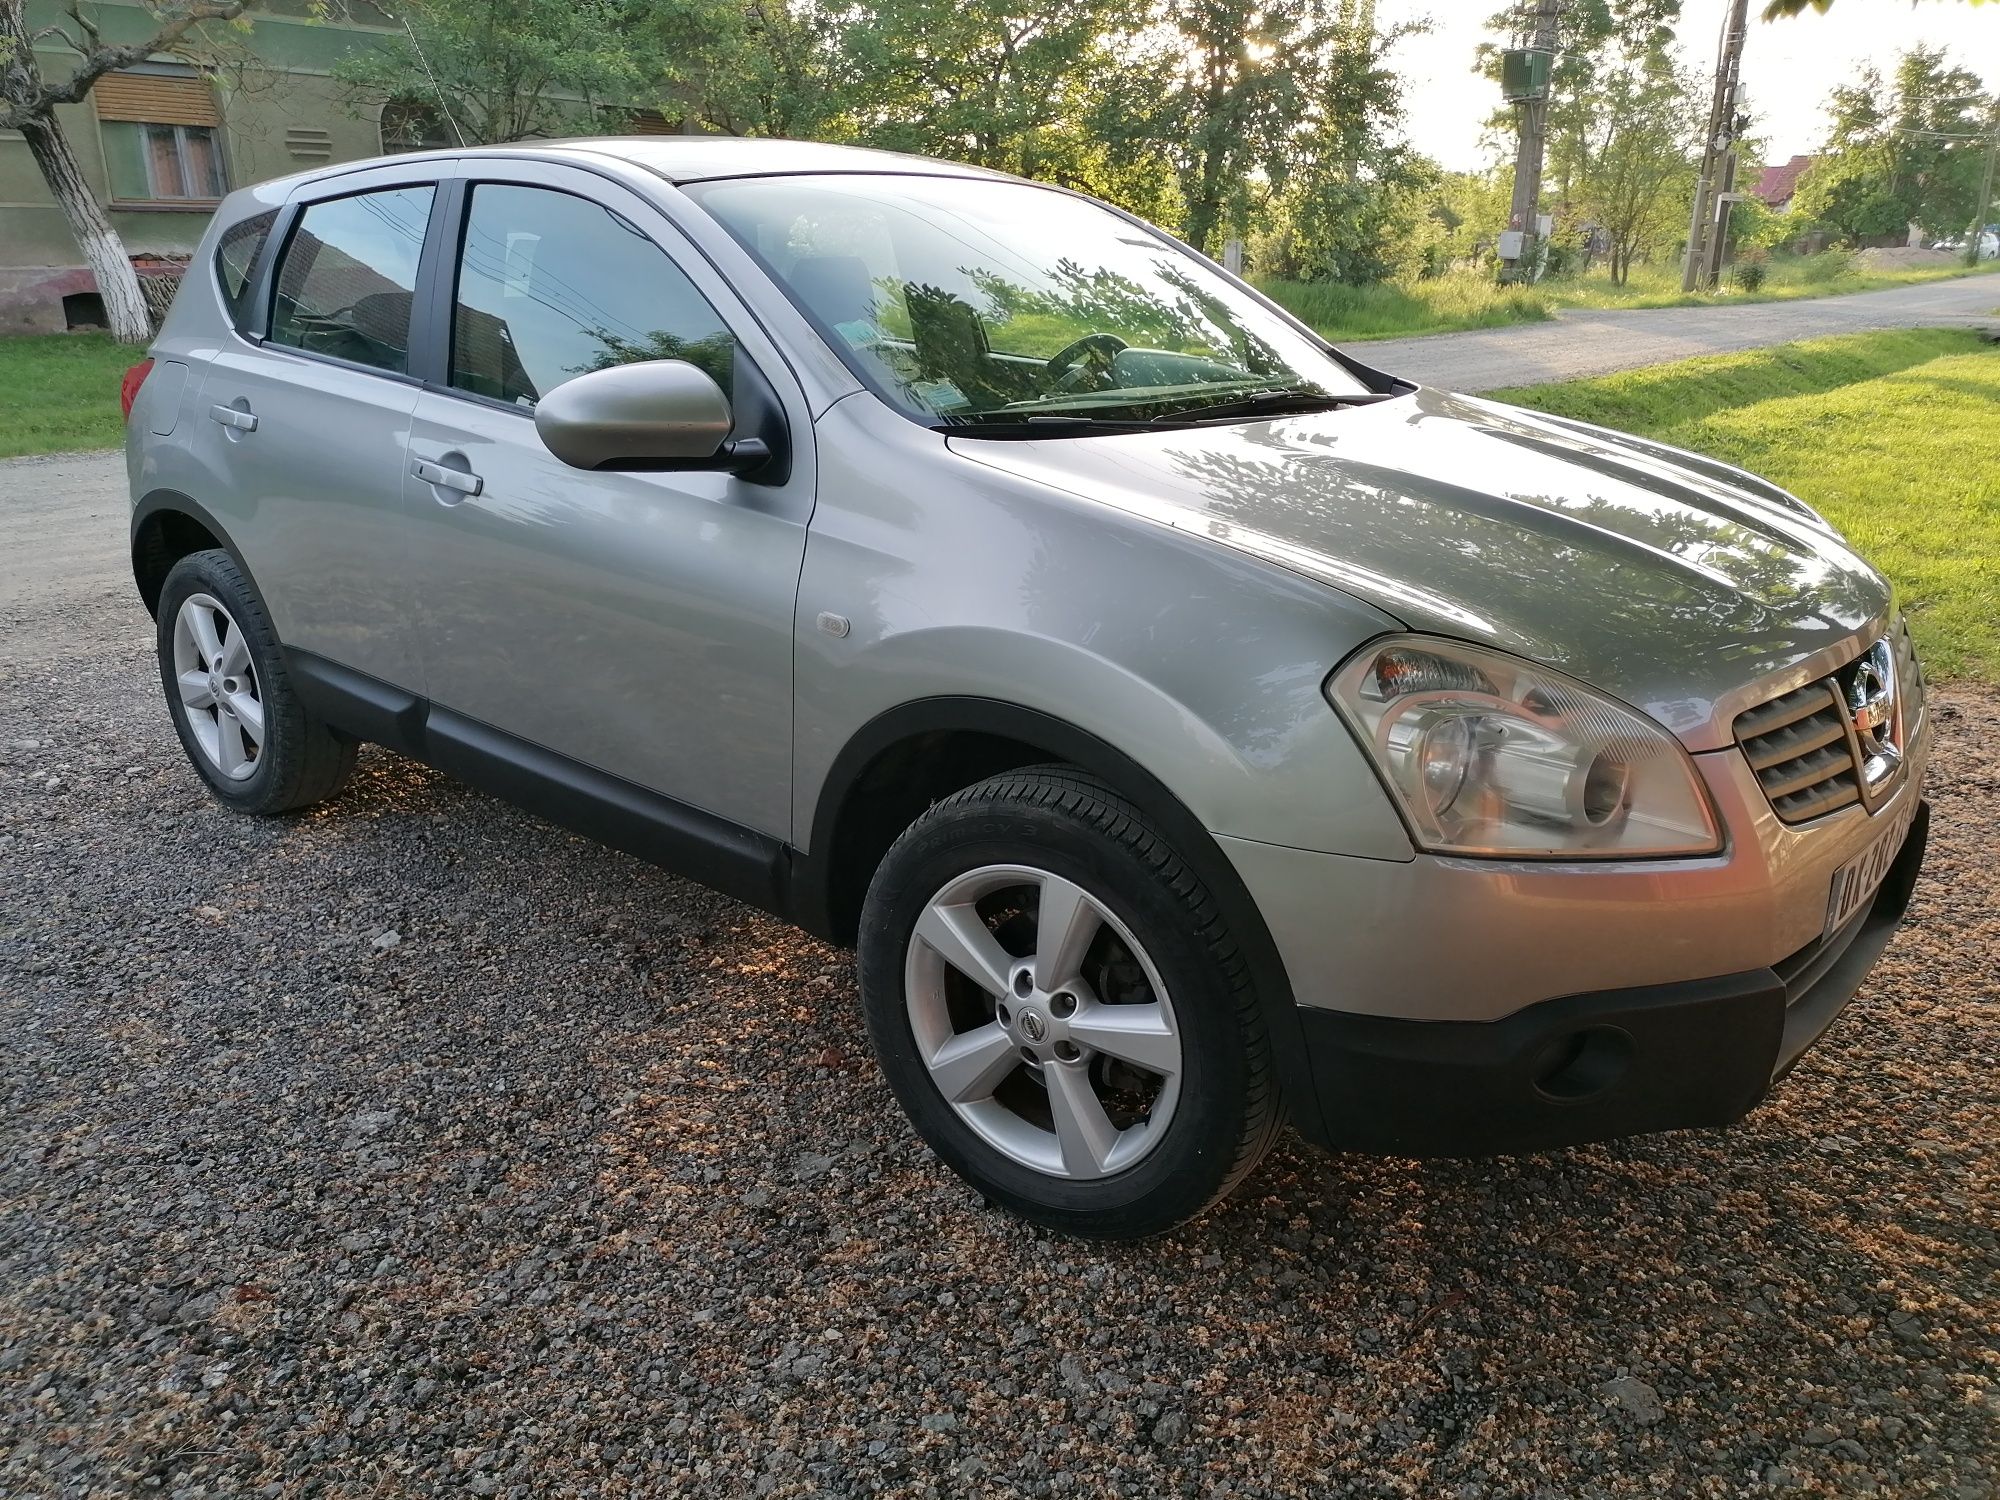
x=1492, y=755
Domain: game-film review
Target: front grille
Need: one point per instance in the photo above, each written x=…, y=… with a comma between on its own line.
x=1799, y=747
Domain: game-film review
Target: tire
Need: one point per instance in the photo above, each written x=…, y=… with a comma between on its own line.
x=215, y=673
x=1191, y=1096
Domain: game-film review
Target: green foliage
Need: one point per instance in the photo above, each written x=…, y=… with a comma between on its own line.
x=1777, y=10
x=1900, y=153
x=1395, y=309
x=749, y=67
x=62, y=392
x=1894, y=437
x=1750, y=269
x=1622, y=127
x=504, y=70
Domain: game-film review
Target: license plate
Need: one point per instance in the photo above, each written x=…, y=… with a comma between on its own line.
x=1855, y=883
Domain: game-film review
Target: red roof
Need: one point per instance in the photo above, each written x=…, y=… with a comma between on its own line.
x=1778, y=184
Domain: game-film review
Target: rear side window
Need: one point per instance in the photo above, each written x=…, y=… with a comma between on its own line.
x=551, y=286
x=347, y=275
x=236, y=259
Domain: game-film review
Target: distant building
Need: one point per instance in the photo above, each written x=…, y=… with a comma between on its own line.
x=162, y=142
x=1778, y=184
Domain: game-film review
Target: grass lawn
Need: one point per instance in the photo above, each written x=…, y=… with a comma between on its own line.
x=1894, y=437
x=59, y=391
x=1467, y=300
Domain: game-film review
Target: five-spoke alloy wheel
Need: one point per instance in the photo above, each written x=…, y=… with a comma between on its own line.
x=218, y=686
x=241, y=722
x=1064, y=1057
x=1061, y=1010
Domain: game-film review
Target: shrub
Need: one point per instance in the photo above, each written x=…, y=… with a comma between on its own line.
x=1750, y=269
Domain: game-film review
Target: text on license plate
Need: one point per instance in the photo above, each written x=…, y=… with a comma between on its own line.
x=1854, y=883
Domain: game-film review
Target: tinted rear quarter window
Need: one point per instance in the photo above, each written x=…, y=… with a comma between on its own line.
x=236, y=257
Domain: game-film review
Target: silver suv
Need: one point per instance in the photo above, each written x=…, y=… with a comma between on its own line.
x=1192, y=727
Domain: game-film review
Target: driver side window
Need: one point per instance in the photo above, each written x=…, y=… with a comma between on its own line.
x=346, y=280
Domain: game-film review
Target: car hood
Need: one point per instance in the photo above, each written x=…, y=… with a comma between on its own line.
x=1668, y=580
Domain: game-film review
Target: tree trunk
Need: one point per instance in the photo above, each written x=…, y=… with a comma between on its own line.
x=103, y=251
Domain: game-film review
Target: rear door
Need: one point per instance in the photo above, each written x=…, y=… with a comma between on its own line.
x=640, y=623
x=304, y=424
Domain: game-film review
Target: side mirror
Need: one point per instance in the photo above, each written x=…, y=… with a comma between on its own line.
x=658, y=414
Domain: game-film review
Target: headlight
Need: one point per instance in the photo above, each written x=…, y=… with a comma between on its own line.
x=1492, y=755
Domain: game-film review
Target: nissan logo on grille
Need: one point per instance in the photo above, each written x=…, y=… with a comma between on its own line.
x=1869, y=692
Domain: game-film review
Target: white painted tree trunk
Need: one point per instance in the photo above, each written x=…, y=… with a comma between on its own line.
x=103, y=251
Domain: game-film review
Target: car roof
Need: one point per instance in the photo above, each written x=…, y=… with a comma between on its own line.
x=701, y=158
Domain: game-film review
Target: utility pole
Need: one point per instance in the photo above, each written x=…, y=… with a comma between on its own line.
x=1982, y=211
x=1708, y=227
x=1531, y=114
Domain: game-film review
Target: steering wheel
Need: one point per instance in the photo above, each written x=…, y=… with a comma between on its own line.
x=1101, y=348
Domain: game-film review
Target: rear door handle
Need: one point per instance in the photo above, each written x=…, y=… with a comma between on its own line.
x=233, y=416
x=447, y=479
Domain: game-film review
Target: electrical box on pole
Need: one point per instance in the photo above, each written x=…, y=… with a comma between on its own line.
x=1525, y=77
x=1524, y=74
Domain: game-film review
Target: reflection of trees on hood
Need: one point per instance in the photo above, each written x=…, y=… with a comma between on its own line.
x=1591, y=565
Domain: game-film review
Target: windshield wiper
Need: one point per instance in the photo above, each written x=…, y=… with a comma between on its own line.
x=1279, y=403
x=1064, y=424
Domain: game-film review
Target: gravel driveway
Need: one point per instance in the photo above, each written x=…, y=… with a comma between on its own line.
x=1582, y=343
x=414, y=1148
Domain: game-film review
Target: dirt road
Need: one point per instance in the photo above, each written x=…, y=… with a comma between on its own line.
x=1581, y=344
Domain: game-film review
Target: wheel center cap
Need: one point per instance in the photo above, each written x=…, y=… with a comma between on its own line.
x=1033, y=1027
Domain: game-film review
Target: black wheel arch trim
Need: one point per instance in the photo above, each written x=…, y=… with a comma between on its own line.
x=175, y=502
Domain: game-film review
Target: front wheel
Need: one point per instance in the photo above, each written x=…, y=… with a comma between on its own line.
x=1061, y=1010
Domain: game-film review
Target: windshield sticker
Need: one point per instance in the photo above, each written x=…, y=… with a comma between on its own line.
x=939, y=395
x=860, y=334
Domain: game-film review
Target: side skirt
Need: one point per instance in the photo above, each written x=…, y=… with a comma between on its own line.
x=740, y=862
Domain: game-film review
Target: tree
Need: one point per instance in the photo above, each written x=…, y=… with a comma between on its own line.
x=1910, y=152
x=1779, y=9
x=756, y=67
x=1218, y=89
x=976, y=80
x=509, y=70
x=28, y=104
x=1354, y=206
x=1622, y=121
x=1641, y=167
x=1593, y=37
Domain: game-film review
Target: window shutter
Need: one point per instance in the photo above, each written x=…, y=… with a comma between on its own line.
x=155, y=99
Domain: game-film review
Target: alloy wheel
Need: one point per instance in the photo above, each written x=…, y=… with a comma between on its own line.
x=1042, y=1021
x=218, y=687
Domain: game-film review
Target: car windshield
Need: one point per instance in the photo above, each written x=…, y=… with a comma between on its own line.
x=975, y=303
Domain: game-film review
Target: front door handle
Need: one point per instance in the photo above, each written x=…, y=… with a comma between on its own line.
x=447, y=479
x=234, y=416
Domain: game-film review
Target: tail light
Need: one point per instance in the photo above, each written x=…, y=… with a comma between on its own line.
x=128, y=388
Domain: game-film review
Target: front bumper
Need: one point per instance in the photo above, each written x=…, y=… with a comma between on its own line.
x=1592, y=1066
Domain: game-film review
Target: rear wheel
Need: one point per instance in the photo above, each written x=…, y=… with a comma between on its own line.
x=1061, y=1010
x=239, y=719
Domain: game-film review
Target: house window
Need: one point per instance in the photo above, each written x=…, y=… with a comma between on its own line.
x=162, y=138
x=164, y=163
x=413, y=125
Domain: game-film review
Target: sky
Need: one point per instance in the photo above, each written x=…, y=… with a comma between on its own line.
x=1789, y=66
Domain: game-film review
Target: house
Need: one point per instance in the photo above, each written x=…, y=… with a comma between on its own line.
x=1777, y=184
x=161, y=144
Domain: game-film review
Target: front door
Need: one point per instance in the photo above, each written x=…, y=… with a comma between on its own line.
x=638, y=623
x=305, y=434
